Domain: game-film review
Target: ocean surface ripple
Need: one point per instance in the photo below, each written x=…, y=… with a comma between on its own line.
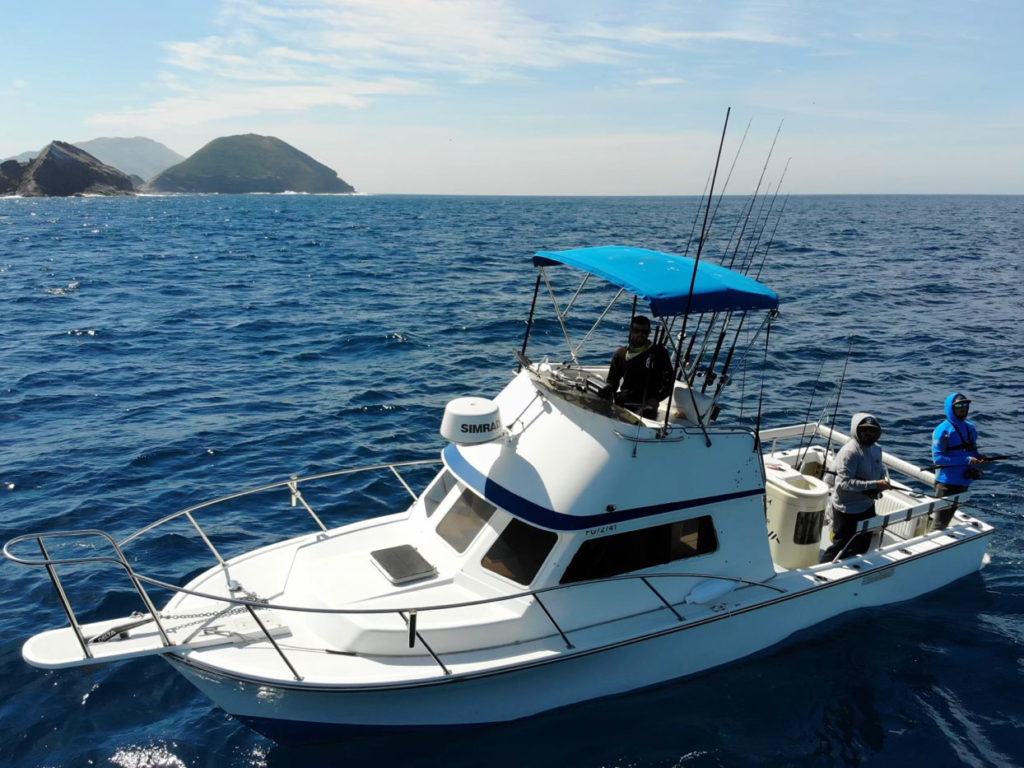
x=162, y=351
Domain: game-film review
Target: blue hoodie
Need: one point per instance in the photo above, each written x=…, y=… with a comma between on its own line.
x=954, y=442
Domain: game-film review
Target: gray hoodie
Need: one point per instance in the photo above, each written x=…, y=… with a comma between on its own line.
x=857, y=467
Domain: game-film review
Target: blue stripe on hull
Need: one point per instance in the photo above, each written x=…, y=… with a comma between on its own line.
x=541, y=516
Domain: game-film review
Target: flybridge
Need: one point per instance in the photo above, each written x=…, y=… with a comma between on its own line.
x=673, y=286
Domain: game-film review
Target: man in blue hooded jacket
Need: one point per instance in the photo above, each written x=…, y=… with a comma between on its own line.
x=955, y=453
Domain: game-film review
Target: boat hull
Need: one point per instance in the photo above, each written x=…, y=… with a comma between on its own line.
x=303, y=712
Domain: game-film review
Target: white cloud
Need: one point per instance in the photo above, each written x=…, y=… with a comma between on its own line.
x=657, y=82
x=286, y=55
x=198, y=108
x=644, y=35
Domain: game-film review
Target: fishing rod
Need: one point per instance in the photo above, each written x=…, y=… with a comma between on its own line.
x=728, y=176
x=529, y=323
x=714, y=216
x=670, y=324
x=715, y=315
x=702, y=240
x=982, y=460
x=722, y=376
x=696, y=216
x=693, y=279
x=752, y=253
x=743, y=318
x=771, y=240
x=739, y=239
x=807, y=416
x=760, y=400
x=835, y=411
x=754, y=197
x=821, y=416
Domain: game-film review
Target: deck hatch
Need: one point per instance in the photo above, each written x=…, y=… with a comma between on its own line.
x=403, y=564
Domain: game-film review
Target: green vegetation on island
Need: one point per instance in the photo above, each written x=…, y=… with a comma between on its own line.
x=249, y=163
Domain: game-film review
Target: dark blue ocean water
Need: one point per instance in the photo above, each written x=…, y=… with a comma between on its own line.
x=160, y=351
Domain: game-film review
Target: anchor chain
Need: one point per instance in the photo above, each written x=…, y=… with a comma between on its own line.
x=138, y=618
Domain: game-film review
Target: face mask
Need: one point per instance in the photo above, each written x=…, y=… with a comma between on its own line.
x=868, y=436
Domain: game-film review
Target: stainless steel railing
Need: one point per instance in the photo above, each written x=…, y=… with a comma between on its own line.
x=252, y=604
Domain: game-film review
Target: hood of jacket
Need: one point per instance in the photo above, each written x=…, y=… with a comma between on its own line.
x=859, y=417
x=950, y=415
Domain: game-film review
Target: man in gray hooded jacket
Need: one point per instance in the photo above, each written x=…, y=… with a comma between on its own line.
x=860, y=479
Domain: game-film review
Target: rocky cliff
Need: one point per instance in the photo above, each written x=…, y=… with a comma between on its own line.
x=62, y=170
x=11, y=172
x=249, y=163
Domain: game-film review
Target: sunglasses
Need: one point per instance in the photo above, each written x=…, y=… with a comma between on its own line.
x=963, y=405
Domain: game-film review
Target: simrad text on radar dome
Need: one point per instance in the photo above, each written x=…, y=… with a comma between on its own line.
x=476, y=428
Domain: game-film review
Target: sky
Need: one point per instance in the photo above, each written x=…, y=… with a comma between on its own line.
x=604, y=97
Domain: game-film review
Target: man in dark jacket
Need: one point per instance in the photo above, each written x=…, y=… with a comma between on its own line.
x=643, y=369
x=955, y=453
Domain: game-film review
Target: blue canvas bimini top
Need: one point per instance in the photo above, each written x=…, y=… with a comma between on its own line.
x=663, y=279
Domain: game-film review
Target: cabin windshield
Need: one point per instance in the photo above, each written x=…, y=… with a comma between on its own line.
x=464, y=520
x=519, y=551
x=438, y=491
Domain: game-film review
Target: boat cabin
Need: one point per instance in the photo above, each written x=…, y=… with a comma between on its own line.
x=551, y=484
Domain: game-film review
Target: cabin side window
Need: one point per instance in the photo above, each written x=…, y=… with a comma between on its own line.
x=519, y=551
x=464, y=520
x=438, y=491
x=645, y=548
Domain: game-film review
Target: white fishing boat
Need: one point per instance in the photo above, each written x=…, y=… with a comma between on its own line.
x=568, y=548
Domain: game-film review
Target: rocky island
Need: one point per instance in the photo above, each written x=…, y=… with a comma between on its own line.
x=232, y=164
x=249, y=163
x=62, y=170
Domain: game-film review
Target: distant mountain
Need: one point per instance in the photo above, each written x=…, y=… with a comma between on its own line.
x=25, y=157
x=248, y=163
x=137, y=156
x=62, y=170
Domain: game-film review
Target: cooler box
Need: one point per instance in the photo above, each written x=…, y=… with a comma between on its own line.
x=796, y=512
